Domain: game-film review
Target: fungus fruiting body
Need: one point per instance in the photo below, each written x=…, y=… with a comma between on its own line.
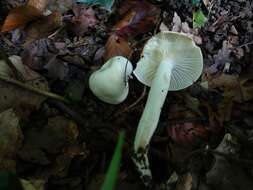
x=110, y=82
x=171, y=61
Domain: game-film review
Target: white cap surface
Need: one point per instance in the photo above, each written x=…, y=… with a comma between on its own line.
x=110, y=82
x=180, y=50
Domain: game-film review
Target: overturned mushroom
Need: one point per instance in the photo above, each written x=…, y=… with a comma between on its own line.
x=110, y=82
x=171, y=61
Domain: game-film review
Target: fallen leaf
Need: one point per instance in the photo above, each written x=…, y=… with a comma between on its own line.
x=38, y=53
x=38, y=4
x=107, y=4
x=83, y=20
x=57, y=69
x=44, y=26
x=33, y=184
x=138, y=20
x=19, y=17
x=13, y=96
x=116, y=46
x=61, y=6
x=11, y=139
x=185, y=182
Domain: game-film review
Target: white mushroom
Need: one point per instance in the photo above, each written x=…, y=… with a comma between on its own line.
x=171, y=61
x=110, y=82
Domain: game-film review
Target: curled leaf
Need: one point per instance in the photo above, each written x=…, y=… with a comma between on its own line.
x=20, y=16
x=116, y=46
x=44, y=26
x=138, y=20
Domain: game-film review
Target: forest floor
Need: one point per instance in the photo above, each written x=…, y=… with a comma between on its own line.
x=64, y=140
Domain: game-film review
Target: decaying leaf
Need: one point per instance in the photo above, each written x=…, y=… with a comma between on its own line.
x=83, y=20
x=61, y=6
x=116, y=46
x=139, y=17
x=10, y=141
x=44, y=26
x=20, y=16
x=185, y=182
x=38, y=4
x=13, y=96
x=137, y=20
x=33, y=184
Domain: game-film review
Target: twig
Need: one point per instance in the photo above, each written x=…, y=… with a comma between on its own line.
x=127, y=109
x=32, y=89
x=78, y=118
x=14, y=70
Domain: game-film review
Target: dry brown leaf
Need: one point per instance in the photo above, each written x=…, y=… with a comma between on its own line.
x=185, y=182
x=60, y=5
x=19, y=17
x=13, y=96
x=38, y=4
x=83, y=20
x=44, y=26
x=11, y=138
x=139, y=19
x=116, y=46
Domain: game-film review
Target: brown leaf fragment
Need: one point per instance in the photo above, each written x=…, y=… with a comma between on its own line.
x=19, y=17
x=116, y=46
x=140, y=19
x=11, y=138
x=44, y=26
x=83, y=20
x=185, y=182
x=38, y=4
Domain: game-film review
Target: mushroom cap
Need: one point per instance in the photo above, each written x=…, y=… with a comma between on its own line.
x=110, y=82
x=177, y=49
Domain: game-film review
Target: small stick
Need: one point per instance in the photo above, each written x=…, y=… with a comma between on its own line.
x=14, y=70
x=32, y=89
x=127, y=109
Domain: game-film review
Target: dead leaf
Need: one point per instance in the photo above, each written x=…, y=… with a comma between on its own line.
x=13, y=96
x=179, y=26
x=246, y=88
x=33, y=184
x=116, y=46
x=57, y=69
x=185, y=182
x=19, y=17
x=10, y=141
x=139, y=19
x=221, y=80
x=38, y=4
x=83, y=20
x=38, y=53
x=44, y=26
x=61, y=6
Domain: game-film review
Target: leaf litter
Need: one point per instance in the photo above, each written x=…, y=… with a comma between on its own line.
x=50, y=144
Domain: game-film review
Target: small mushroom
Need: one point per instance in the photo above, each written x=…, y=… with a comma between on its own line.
x=110, y=82
x=171, y=61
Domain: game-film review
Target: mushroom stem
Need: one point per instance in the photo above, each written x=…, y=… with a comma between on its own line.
x=151, y=114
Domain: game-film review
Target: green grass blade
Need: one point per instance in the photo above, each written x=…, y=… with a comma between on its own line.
x=113, y=170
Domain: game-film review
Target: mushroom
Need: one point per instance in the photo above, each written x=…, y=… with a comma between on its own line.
x=110, y=82
x=170, y=61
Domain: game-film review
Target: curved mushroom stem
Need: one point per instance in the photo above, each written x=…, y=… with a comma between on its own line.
x=150, y=117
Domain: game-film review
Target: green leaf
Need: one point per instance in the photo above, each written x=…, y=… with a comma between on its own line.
x=113, y=170
x=199, y=19
x=107, y=4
